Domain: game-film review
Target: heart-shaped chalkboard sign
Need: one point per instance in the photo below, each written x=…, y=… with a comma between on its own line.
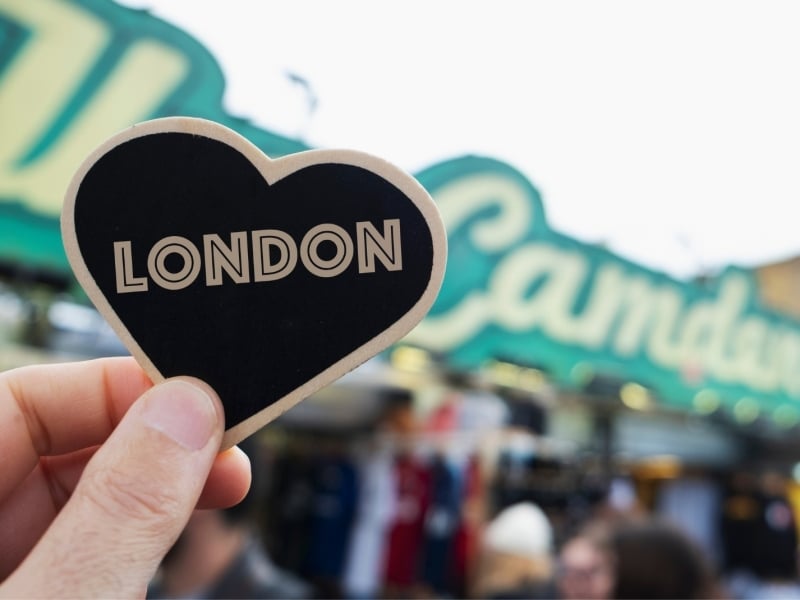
x=268, y=279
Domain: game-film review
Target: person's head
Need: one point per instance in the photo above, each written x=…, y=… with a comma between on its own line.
x=516, y=553
x=586, y=565
x=654, y=559
x=206, y=526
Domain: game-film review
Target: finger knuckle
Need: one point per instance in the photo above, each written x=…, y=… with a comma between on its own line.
x=120, y=495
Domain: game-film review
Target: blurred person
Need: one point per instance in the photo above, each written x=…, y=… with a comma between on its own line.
x=777, y=535
x=101, y=472
x=516, y=558
x=219, y=555
x=586, y=565
x=655, y=559
x=739, y=523
x=763, y=539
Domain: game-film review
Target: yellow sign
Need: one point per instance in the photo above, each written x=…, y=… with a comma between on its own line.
x=71, y=75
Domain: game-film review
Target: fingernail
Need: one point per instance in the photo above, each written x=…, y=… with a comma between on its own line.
x=182, y=412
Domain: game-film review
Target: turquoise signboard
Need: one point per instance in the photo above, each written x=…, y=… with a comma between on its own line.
x=516, y=290
x=73, y=73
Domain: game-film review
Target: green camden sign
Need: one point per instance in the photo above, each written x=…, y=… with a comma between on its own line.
x=516, y=290
x=73, y=73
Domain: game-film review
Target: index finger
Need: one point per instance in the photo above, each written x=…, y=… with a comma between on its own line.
x=56, y=409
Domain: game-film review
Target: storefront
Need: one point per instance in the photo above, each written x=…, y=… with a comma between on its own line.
x=598, y=383
x=548, y=370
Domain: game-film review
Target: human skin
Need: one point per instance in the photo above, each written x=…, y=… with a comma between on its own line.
x=586, y=571
x=101, y=471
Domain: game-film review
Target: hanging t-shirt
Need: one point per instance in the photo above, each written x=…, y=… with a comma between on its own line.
x=466, y=540
x=739, y=523
x=290, y=506
x=441, y=523
x=377, y=497
x=405, y=535
x=694, y=506
x=333, y=511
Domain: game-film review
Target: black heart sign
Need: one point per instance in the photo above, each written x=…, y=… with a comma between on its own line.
x=268, y=279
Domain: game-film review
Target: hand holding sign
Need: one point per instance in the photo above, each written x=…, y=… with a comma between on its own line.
x=101, y=471
x=267, y=279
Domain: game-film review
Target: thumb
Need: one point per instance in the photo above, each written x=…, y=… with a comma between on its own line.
x=134, y=498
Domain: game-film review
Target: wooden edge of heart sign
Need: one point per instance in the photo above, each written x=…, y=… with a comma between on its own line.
x=272, y=170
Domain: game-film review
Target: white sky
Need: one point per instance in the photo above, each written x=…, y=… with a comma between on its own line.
x=669, y=130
